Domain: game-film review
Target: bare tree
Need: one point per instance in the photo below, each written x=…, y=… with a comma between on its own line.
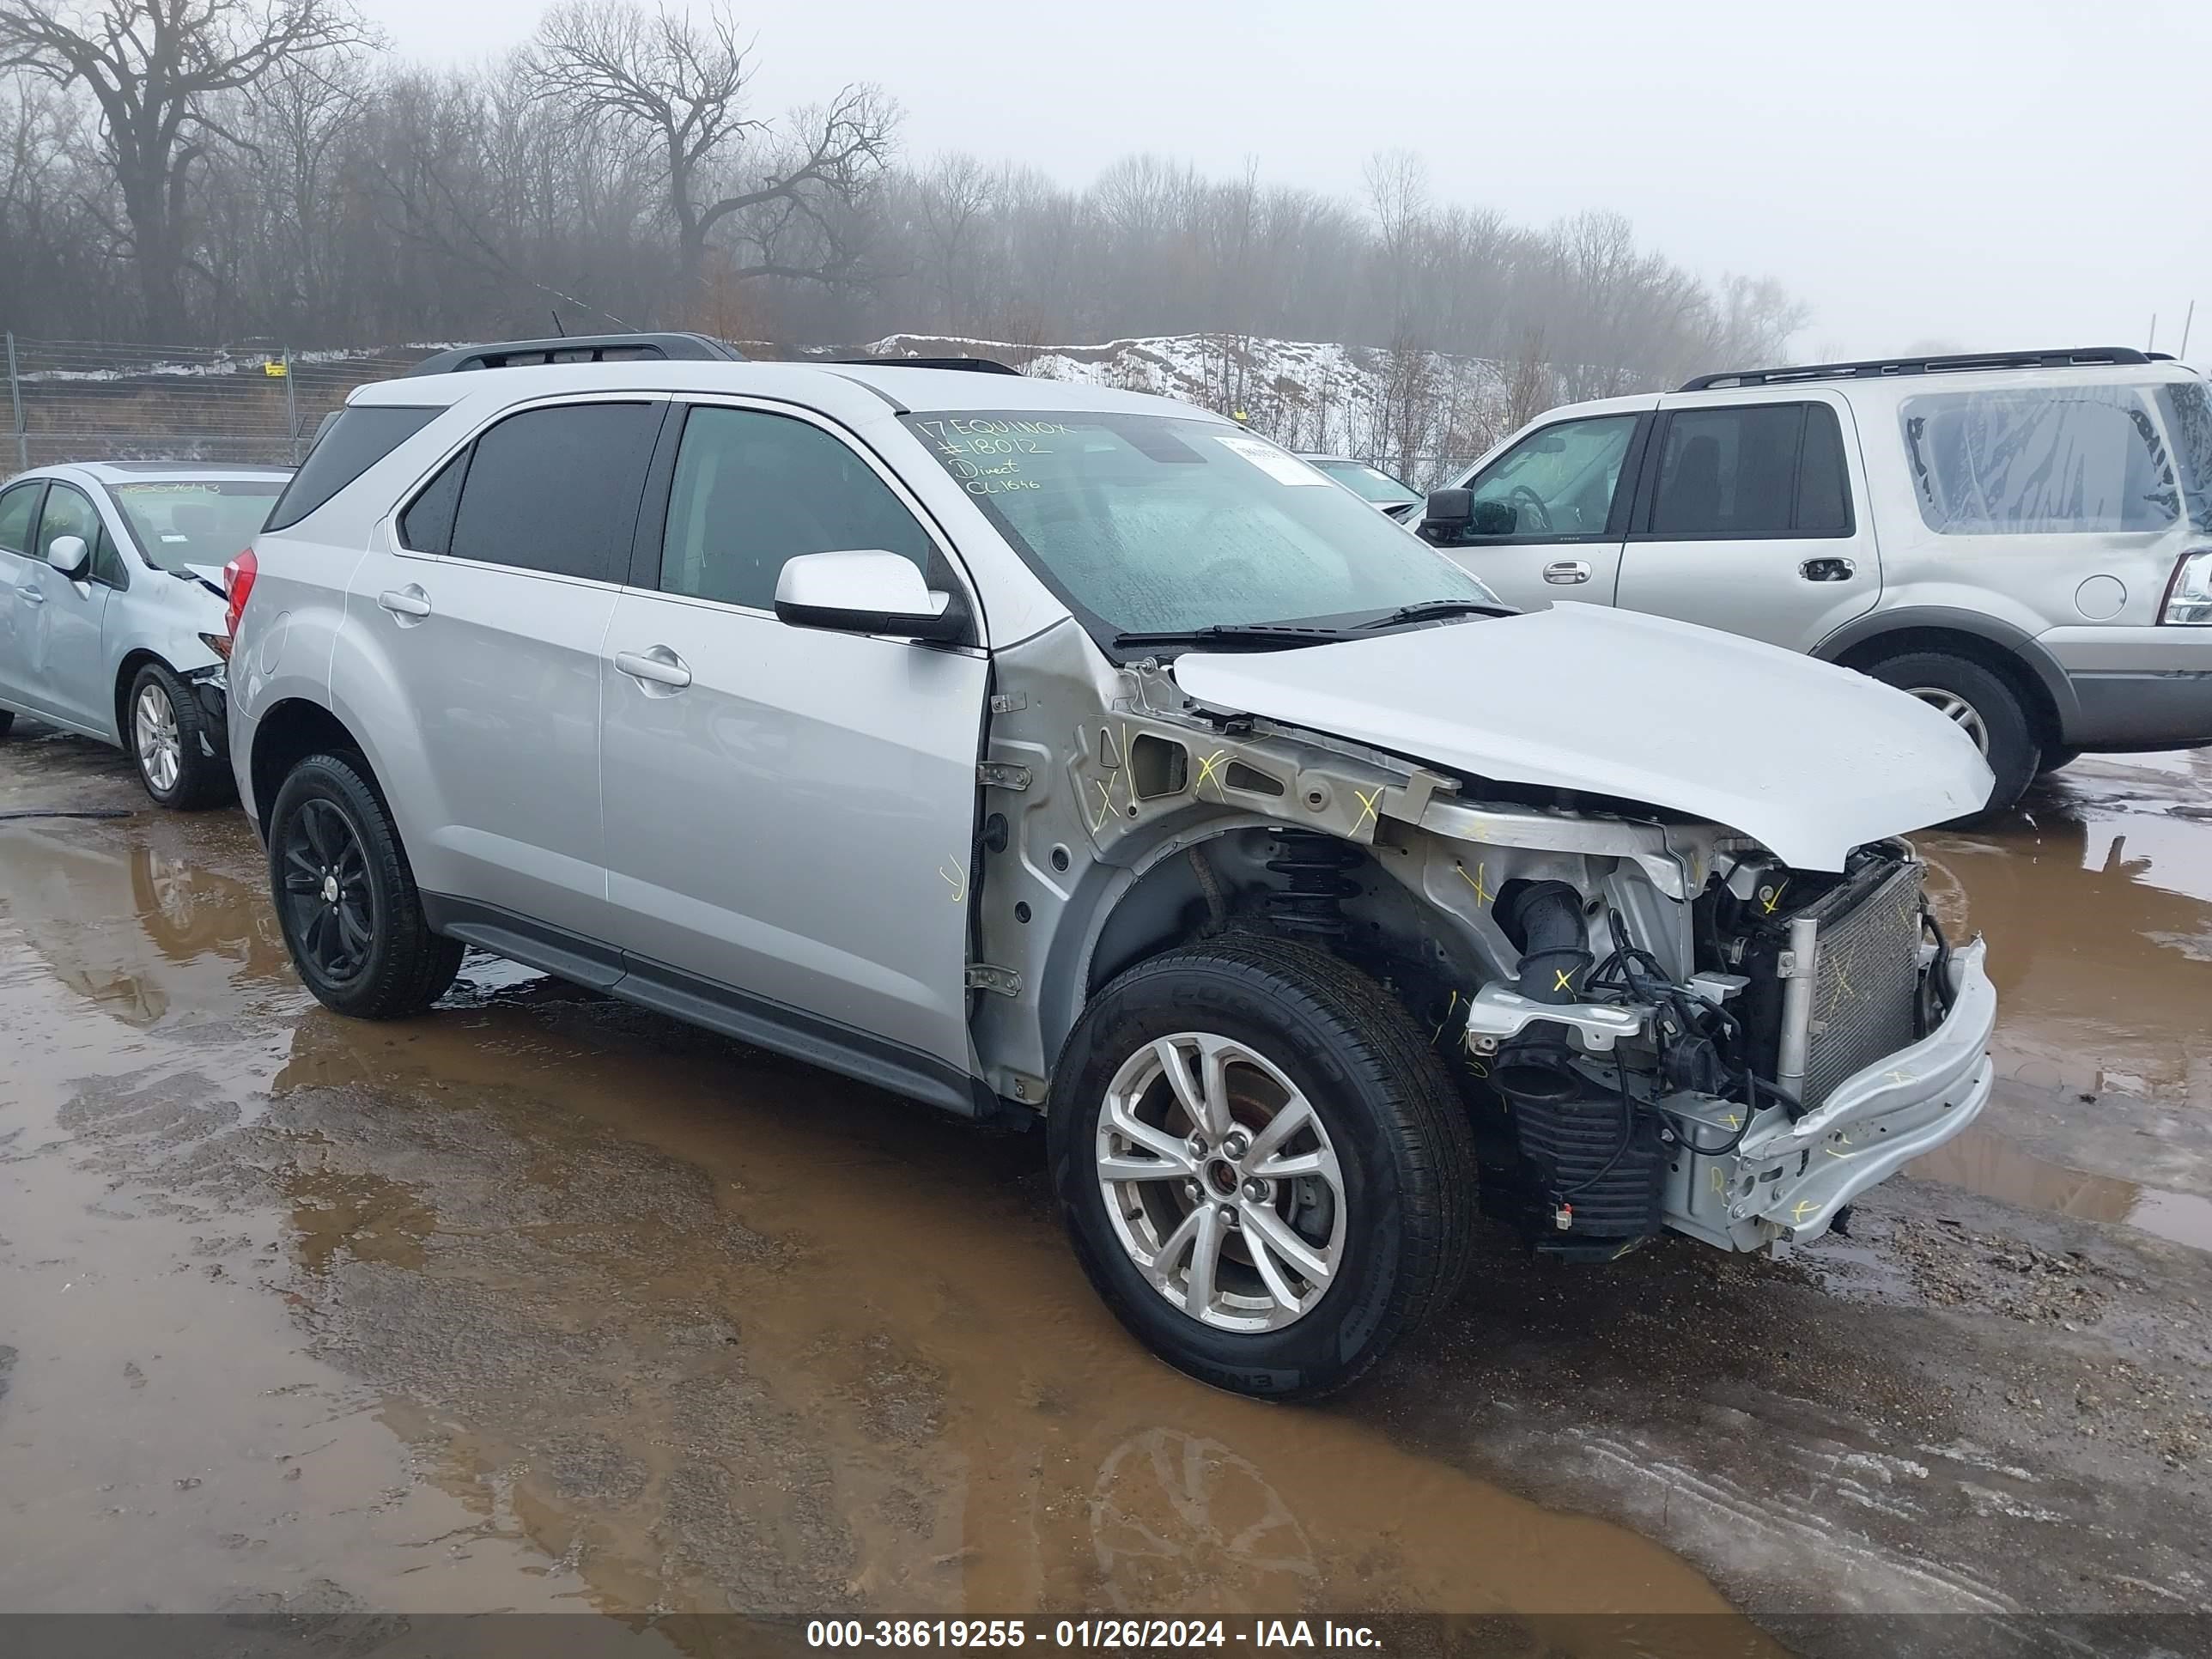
x=154, y=67
x=679, y=84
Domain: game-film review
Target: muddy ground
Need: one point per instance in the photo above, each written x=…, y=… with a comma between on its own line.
x=543, y=1303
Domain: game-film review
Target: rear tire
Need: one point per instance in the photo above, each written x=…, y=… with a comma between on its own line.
x=7, y=723
x=2055, y=760
x=346, y=899
x=166, y=734
x=1366, y=1228
x=1981, y=702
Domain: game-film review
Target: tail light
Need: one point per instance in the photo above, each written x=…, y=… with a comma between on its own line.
x=237, y=587
x=2189, y=592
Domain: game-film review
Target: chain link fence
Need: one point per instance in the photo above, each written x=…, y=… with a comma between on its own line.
x=84, y=400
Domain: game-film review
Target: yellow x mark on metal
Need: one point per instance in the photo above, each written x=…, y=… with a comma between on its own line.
x=1481, y=893
x=1559, y=980
x=1210, y=767
x=1105, y=804
x=1366, y=809
x=1805, y=1206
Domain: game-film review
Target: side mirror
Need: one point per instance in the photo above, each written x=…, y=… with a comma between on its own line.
x=69, y=554
x=864, y=591
x=1444, y=519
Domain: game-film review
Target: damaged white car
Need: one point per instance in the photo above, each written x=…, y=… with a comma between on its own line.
x=1027, y=749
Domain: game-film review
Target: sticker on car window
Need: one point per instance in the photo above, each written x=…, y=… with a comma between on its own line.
x=1283, y=469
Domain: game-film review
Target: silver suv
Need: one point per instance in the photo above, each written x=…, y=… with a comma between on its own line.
x=2024, y=541
x=1034, y=751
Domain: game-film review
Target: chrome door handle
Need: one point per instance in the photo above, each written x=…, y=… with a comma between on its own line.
x=1827, y=571
x=1566, y=572
x=658, y=667
x=408, y=601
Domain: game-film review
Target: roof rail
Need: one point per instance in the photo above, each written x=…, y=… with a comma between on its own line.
x=581, y=348
x=1881, y=368
x=973, y=365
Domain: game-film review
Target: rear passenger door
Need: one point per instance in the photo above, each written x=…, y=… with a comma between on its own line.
x=790, y=811
x=1750, y=518
x=488, y=598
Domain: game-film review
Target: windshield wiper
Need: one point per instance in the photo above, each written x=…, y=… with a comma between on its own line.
x=1237, y=634
x=1423, y=609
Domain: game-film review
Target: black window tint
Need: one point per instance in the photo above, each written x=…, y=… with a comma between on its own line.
x=557, y=489
x=68, y=513
x=1824, y=493
x=753, y=490
x=347, y=446
x=1728, y=473
x=19, y=509
x=427, y=526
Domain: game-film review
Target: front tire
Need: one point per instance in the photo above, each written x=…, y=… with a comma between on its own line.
x=166, y=732
x=1264, y=1168
x=1981, y=704
x=346, y=899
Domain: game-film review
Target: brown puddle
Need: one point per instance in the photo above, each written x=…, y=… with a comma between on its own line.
x=542, y=1302
x=1984, y=1161
x=2096, y=898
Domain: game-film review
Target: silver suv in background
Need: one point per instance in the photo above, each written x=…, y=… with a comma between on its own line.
x=1031, y=750
x=2023, y=541
x=111, y=609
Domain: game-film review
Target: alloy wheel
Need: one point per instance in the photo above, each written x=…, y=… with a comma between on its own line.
x=329, y=910
x=1956, y=710
x=154, y=733
x=1221, y=1182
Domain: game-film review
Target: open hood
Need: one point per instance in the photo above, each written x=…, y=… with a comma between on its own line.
x=1807, y=759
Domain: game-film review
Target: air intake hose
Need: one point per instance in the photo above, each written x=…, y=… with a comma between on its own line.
x=1544, y=922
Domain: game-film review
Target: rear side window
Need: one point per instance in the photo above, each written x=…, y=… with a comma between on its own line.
x=2187, y=406
x=2022, y=463
x=427, y=526
x=1766, y=469
x=19, y=508
x=557, y=489
x=359, y=436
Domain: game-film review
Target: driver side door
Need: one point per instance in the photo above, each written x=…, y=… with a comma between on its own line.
x=1550, y=512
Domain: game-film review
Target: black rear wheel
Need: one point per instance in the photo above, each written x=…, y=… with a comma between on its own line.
x=1981, y=704
x=346, y=897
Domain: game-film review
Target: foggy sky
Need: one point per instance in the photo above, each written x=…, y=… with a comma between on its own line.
x=1922, y=173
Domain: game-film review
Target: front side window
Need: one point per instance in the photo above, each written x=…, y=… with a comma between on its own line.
x=1764, y=470
x=19, y=512
x=68, y=513
x=754, y=490
x=1156, y=523
x=181, y=522
x=1558, y=482
x=557, y=489
x=2028, y=463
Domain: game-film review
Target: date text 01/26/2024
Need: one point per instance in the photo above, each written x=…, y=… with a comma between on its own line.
x=1126, y=1634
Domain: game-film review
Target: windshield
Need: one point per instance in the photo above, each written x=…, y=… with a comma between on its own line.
x=205, y=521
x=1371, y=482
x=1159, y=524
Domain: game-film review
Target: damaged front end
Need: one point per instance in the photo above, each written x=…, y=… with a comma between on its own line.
x=1811, y=1034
